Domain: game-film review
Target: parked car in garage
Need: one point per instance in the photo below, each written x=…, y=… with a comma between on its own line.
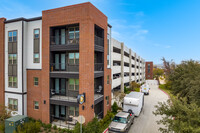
x=121, y=123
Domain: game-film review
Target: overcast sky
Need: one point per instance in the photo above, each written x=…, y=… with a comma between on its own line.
x=152, y=28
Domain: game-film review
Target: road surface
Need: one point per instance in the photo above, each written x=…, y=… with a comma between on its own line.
x=146, y=121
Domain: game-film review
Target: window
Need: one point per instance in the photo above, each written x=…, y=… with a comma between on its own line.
x=12, y=36
x=73, y=32
x=36, y=58
x=73, y=58
x=74, y=84
x=36, y=81
x=12, y=82
x=107, y=99
x=36, y=50
x=12, y=59
x=36, y=33
x=73, y=111
x=108, y=79
x=36, y=105
x=13, y=104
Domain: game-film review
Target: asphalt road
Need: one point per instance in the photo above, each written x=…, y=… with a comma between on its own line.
x=146, y=121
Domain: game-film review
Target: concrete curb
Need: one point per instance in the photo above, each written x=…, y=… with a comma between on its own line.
x=164, y=92
x=105, y=131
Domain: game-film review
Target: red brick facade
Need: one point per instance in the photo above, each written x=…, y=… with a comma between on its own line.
x=86, y=15
x=2, y=60
x=149, y=73
x=34, y=93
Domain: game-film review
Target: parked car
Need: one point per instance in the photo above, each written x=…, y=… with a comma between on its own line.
x=133, y=103
x=145, y=89
x=121, y=123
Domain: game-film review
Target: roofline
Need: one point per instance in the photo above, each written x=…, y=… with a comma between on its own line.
x=23, y=19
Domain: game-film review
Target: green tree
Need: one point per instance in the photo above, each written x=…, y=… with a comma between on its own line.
x=185, y=81
x=157, y=72
x=4, y=114
x=114, y=107
x=179, y=116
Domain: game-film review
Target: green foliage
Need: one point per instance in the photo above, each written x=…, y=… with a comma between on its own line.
x=179, y=116
x=185, y=81
x=54, y=127
x=157, y=72
x=182, y=112
x=137, y=89
x=77, y=128
x=104, y=123
x=29, y=127
x=114, y=107
x=134, y=85
x=2, y=127
x=4, y=114
x=93, y=127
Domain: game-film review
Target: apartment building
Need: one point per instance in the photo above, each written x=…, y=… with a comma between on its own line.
x=149, y=70
x=46, y=62
x=127, y=66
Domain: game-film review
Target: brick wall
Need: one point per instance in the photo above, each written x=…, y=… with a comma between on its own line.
x=34, y=93
x=149, y=75
x=86, y=15
x=2, y=63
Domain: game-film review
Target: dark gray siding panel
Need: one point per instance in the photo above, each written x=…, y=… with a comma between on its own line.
x=10, y=47
x=64, y=103
x=14, y=70
x=10, y=70
x=64, y=47
x=64, y=75
x=36, y=45
x=14, y=48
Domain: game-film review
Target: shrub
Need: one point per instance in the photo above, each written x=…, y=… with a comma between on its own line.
x=106, y=120
x=54, y=127
x=137, y=89
x=49, y=126
x=114, y=107
x=2, y=127
x=29, y=127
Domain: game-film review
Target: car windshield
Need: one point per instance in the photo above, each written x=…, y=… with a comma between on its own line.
x=119, y=119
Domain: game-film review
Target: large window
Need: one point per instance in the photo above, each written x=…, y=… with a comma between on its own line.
x=73, y=58
x=74, y=84
x=13, y=104
x=12, y=81
x=12, y=36
x=73, y=32
x=73, y=111
x=12, y=59
x=36, y=56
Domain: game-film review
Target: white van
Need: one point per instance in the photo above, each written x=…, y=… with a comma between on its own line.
x=133, y=103
x=145, y=89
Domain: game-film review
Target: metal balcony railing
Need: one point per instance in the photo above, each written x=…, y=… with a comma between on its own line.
x=60, y=40
x=61, y=95
x=64, y=67
x=98, y=67
x=99, y=41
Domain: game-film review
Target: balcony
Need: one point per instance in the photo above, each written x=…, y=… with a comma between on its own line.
x=61, y=44
x=99, y=41
x=63, y=67
x=98, y=67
